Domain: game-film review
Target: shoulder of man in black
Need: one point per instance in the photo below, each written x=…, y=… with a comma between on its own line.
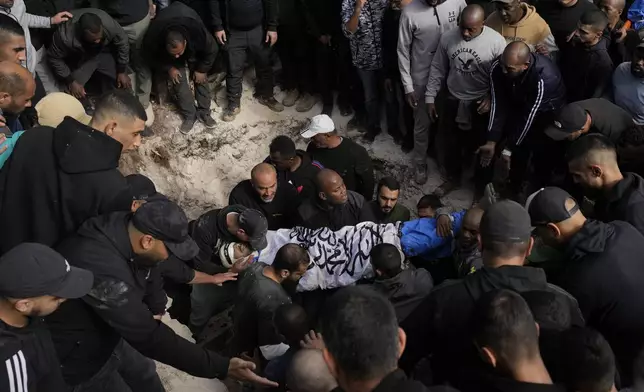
x=30, y=358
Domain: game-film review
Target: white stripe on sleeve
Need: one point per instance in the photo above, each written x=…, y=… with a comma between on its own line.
x=10, y=376
x=533, y=112
x=23, y=366
x=18, y=373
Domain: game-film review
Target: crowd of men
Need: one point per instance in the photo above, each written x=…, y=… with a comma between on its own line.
x=536, y=287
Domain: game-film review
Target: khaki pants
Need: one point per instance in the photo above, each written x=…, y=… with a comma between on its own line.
x=139, y=73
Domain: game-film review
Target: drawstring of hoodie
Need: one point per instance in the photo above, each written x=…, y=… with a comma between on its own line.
x=436, y=15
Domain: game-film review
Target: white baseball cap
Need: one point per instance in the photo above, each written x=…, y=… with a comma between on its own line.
x=319, y=124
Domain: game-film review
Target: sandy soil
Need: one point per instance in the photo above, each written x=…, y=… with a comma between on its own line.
x=199, y=170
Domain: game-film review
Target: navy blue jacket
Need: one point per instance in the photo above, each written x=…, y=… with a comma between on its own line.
x=516, y=102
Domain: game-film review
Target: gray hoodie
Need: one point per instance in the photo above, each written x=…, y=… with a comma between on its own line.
x=421, y=27
x=19, y=13
x=466, y=64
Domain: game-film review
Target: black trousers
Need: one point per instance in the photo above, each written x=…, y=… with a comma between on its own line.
x=295, y=48
x=239, y=43
x=186, y=101
x=97, y=73
x=460, y=144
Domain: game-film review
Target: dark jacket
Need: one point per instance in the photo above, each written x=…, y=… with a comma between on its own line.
x=67, y=50
x=516, y=103
x=323, y=17
x=439, y=325
x=40, y=370
x=303, y=179
x=244, y=14
x=124, y=12
x=314, y=213
x=607, y=118
x=390, y=33
x=351, y=161
x=209, y=231
x=406, y=290
x=125, y=296
x=625, y=202
x=605, y=274
x=397, y=381
x=587, y=72
x=74, y=177
x=201, y=46
x=279, y=213
x=399, y=213
x=488, y=382
x=562, y=20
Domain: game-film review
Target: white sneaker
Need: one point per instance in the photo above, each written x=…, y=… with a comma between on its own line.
x=150, y=113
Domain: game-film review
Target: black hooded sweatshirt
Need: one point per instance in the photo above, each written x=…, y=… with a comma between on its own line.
x=303, y=179
x=587, y=72
x=201, y=48
x=406, y=290
x=624, y=202
x=55, y=179
x=605, y=274
x=439, y=325
x=279, y=213
x=125, y=296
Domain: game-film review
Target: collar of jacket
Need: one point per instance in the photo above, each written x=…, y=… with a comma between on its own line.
x=519, y=278
x=617, y=192
x=590, y=239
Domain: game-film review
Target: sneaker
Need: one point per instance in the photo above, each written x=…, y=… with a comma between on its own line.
x=306, y=103
x=370, y=136
x=186, y=125
x=149, y=111
x=271, y=103
x=230, y=113
x=290, y=98
x=420, y=177
x=208, y=121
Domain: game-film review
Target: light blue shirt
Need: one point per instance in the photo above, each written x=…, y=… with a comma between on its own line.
x=629, y=92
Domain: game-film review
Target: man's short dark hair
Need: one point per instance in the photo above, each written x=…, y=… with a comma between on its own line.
x=595, y=18
x=9, y=27
x=588, y=361
x=284, y=146
x=386, y=259
x=119, y=102
x=360, y=332
x=429, y=201
x=290, y=257
x=291, y=321
x=586, y=144
x=389, y=182
x=173, y=38
x=503, y=322
x=90, y=22
x=550, y=311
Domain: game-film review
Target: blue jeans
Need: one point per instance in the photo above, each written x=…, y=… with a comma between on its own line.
x=126, y=370
x=371, y=84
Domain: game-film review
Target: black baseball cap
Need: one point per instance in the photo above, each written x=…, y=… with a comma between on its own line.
x=142, y=188
x=165, y=220
x=549, y=206
x=571, y=118
x=505, y=221
x=255, y=226
x=32, y=270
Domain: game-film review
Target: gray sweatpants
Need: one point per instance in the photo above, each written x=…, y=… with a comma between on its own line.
x=138, y=71
x=421, y=127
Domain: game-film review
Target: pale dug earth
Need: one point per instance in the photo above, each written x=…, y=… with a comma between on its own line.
x=200, y=169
